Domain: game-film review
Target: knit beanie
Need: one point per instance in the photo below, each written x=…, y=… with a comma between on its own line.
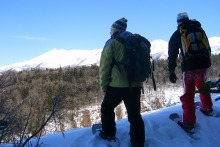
x=119, y=25
x=181, y=17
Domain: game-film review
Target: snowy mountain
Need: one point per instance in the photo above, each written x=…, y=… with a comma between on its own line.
x=61, y=58
x=58, y=58
x=215, y=44
x=159, y=49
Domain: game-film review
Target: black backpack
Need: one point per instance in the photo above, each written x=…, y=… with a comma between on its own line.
x=136, y=63
x=195, y=43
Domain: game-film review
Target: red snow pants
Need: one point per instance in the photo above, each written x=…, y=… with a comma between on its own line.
x=192, y=79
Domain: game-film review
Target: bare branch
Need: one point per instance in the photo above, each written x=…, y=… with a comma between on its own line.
x=6, y=79
x=54, y=109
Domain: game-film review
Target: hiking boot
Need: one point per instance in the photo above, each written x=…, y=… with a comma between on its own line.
x=109, y=138
x=207, y=113
x=186, y=128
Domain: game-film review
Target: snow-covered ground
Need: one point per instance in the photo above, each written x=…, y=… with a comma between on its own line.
x=160, y=131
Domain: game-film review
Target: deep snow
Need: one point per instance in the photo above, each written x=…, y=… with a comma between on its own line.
x=160, y=131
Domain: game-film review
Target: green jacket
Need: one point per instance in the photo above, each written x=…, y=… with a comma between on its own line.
x=108, y=72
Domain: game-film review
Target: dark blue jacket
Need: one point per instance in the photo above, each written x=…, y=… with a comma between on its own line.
x=175, y=47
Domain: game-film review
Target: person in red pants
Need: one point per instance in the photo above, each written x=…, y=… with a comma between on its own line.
x=195, y=69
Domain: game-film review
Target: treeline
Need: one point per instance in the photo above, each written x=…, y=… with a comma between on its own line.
x=28, y=99
x=79, y=86
x=162, y=74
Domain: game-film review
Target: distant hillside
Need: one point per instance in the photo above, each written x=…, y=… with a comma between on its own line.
x=62, y=58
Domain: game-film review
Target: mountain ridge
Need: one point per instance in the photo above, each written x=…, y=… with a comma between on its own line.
x=57, y=58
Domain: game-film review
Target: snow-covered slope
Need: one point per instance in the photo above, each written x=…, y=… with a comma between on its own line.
x=160, y=131
x=58, y=58
x=215, y=45
x=61, y=58
x=159, y=49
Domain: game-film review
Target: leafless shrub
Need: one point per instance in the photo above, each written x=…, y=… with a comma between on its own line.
x=20, y=121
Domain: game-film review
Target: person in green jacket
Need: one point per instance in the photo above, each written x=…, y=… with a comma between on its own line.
x=116, y=89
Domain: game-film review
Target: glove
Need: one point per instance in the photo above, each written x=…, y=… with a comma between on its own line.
x=172, y=77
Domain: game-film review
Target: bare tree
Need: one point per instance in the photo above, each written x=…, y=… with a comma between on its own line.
x=20, y=121
x=7, y=79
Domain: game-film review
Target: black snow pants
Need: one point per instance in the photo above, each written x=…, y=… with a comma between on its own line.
x=131, y=99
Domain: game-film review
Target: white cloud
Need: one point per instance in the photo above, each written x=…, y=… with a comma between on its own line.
x=32, y=38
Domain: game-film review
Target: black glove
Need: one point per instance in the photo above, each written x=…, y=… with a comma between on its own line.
x=172, y=77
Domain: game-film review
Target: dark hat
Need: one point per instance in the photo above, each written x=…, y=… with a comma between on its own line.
x=119, y=25
x=181, y=17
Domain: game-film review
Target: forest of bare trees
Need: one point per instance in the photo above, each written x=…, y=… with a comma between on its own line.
x=30, y=99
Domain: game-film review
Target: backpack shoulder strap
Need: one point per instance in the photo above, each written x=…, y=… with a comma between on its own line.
x=192, y=23
x=120, y=39
x=195, y=22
